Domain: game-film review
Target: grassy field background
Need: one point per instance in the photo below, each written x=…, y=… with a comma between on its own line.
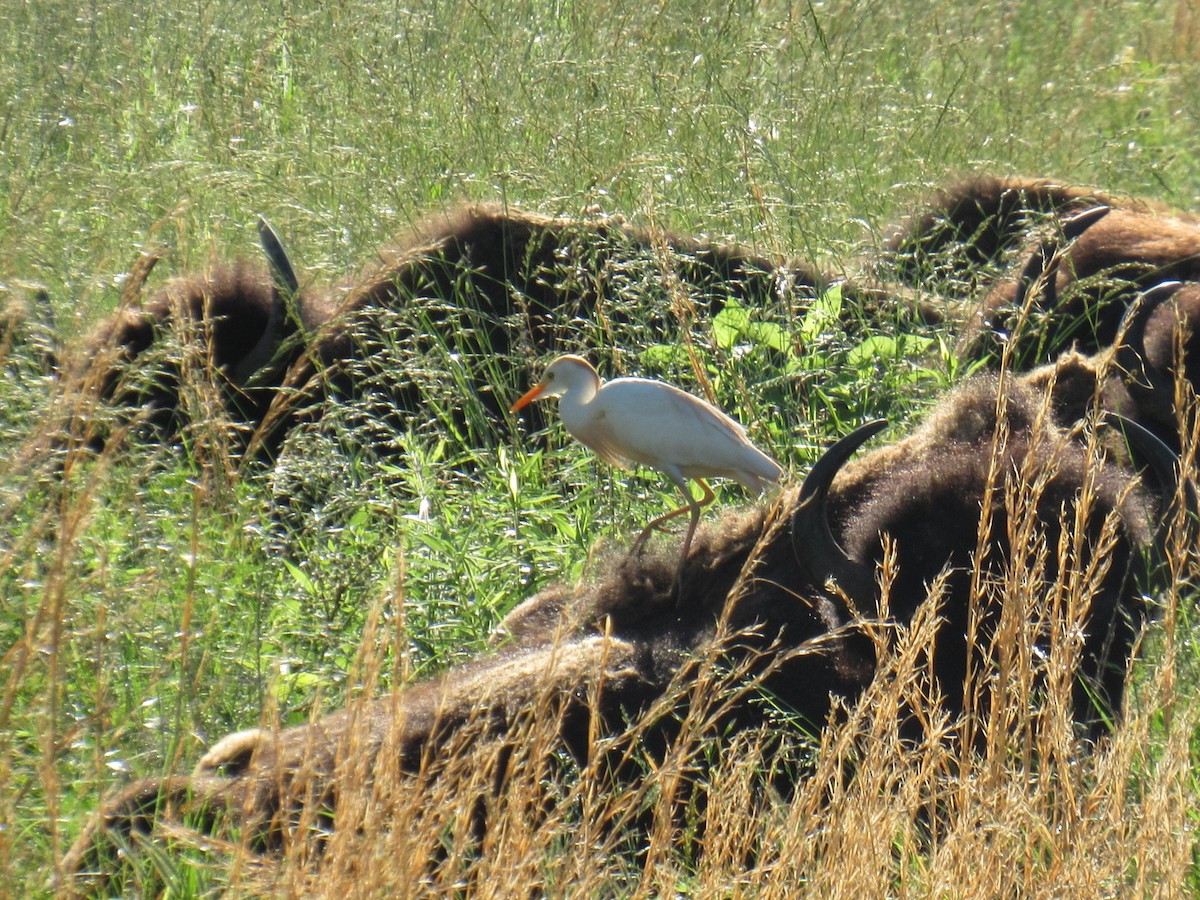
x=146, y=608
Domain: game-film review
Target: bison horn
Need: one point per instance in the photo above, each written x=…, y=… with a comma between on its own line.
x=283, y=310
x=282, y=271
x=814, y=543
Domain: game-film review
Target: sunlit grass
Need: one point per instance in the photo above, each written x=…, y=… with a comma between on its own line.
x=157, y=598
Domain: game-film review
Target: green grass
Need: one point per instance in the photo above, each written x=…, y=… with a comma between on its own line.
x=152, y=603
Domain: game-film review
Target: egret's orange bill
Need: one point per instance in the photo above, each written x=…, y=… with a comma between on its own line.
x=528, y=397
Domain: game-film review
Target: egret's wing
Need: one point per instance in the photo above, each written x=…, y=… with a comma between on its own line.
x=598, y=434
x=703, y=441
x=715, y=423
x=698, y=426
x=635, y=420
x=652, y=423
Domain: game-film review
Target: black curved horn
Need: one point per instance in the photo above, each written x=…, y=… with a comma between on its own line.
x=1164, y=463
x=281, y=264
x=282, y=312
x=1160, y=458
x=815, y=545
x=1077, y=224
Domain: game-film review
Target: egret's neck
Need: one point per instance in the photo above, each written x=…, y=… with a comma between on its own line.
x=573, y=405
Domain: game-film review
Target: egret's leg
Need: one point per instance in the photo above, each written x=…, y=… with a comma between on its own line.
x=693, y=506
x=696, y=506
x=640, y=541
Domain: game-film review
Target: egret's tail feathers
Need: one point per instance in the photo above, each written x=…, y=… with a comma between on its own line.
x=765, y=473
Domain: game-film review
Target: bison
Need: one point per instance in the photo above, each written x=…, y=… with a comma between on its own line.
x=788, y=601
x=971, y=225
x=1057, y=266
x=959, y=239
x=1090, y=285
x=1148, y=374
x=477, y=284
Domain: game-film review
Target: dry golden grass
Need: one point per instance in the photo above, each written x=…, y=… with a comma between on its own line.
x=894, y=799
x=879, y=814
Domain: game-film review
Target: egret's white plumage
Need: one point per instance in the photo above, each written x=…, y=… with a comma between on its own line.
x=637, y=420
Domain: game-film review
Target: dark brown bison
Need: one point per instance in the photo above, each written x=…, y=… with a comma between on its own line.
x=1148, y=375
x=451, y=307
x=959, y=238
x=1162, y=362
x=786, y=598
x=1057, y=266
x=226, y=325
x=1088, y=286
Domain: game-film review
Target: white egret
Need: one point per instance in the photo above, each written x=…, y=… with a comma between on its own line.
x=638, y=420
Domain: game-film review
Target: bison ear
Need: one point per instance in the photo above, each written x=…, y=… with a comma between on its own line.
x=813, y=542
x=282, y=271
x=1041, y=269
x=1153, y=390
